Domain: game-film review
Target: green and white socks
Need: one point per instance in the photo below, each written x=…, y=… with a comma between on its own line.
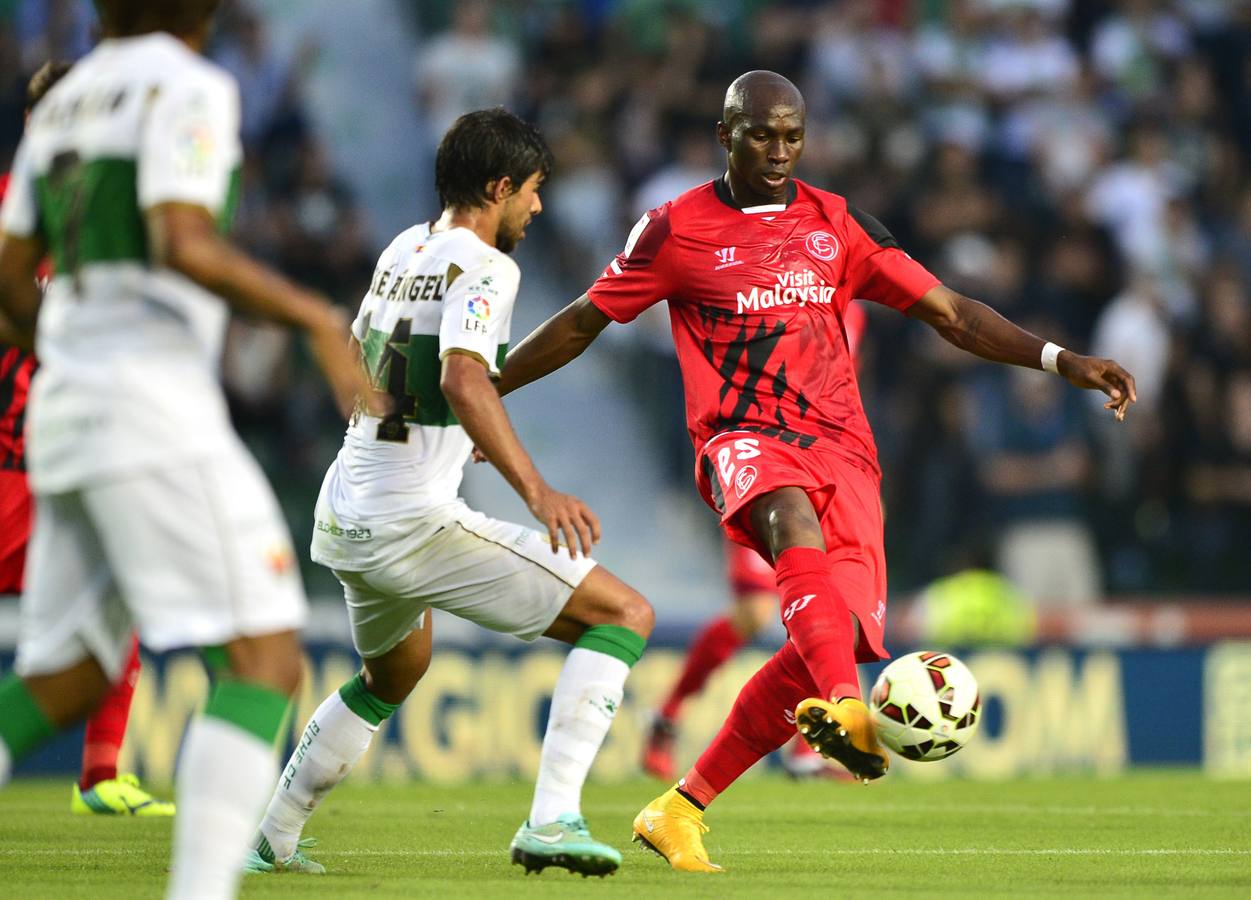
x=226, y=769
x=23, y=725
x=333, y=741
x=584, y=703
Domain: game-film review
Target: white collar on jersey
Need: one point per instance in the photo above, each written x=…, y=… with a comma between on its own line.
x=770, y=207
x=722, y=190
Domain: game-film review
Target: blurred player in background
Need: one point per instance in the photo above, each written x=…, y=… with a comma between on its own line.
x=754, y=599
x=150, y=516
x=433, y=330
x=758, y=269
x=100, y=789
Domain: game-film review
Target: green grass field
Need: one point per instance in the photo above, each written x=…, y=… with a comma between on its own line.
x=1150, y=835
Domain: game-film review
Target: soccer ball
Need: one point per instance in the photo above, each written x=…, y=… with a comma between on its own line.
x=925, y=705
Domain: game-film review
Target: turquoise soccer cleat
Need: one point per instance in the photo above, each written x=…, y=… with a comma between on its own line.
x=261, y=860
x=565, y=843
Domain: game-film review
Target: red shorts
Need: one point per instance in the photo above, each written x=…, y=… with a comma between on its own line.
x=15, y=517
x=748, y=572
x=736, y=467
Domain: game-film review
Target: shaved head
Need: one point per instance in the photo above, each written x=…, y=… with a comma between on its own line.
x=762, y=131
x=754, y=93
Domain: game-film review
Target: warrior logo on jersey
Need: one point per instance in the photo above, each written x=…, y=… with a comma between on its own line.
x=822, y=245
x=725, y=259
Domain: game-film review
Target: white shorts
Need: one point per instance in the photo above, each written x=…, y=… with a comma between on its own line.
x=501, y=576
x=189, y=556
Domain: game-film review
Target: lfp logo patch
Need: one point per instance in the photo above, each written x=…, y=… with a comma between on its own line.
x=478, y=307
x=477, y=313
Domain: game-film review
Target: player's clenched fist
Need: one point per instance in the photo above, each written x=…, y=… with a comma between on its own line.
x=1102, y=375
x=565, y=515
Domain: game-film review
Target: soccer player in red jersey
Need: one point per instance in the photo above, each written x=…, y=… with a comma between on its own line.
x=100, y=789
x=754, y=597
x=758, y=268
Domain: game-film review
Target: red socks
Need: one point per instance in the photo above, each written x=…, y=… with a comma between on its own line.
x=818, y=622
x=711, y=647
x=762, y=719
x=107, y=728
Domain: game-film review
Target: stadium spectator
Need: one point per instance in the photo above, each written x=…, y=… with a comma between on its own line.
x=1035, y=467
x=465, y=68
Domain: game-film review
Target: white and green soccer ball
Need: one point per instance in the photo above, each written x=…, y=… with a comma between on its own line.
x=925, y=705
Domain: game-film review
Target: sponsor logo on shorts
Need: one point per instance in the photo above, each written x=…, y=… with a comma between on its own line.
x=789, y=716
x=280, y=559
x=350, y=534
x=879, y=614
x=745, y=478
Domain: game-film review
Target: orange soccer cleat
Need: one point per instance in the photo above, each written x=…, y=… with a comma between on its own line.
x=843, y=731
x=673, y=827
x=658, y=751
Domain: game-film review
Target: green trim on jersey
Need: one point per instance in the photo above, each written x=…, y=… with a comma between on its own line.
x=89, y=212
x=407, y=366
x=233, y=189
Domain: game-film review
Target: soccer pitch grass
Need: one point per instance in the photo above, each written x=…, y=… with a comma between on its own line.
x=1152, y=834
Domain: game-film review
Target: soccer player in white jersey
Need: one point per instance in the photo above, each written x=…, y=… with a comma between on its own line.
x=433, y=330
x=149, y=513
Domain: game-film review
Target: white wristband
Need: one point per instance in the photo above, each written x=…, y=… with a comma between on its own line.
x=1050, y=353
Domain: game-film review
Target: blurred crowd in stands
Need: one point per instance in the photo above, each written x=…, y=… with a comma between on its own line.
x=1080, y=165
x=1084, y=166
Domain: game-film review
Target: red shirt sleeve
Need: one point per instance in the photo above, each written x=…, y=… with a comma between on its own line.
x=877, y=269
x=642, y=274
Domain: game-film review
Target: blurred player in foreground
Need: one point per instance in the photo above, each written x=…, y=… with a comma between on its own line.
x=754, y=599
x=100, y=789
x=758, y=269
x=433, y=330
x=149, y=514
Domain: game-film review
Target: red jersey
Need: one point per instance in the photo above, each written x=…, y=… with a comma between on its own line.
x=757, y=300
x=16, y=367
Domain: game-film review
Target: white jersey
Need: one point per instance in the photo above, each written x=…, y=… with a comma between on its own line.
x=128, y=352
x=431, y=295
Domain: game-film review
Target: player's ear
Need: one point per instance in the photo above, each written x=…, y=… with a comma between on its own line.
x=723, y=135
x=500, y=189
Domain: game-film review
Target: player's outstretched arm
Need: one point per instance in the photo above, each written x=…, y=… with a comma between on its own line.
x=471, y=395
x=184, y=238
x=558, y=341
x=19, y=292
x=977, y=328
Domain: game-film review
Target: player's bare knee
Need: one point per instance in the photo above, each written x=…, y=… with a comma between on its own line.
x=629, y=609
x=637, y=614
x=393, y=684
x=69, y=696
x=785, y=518
x=752, y=614
x=392, y=676
x=273, y=660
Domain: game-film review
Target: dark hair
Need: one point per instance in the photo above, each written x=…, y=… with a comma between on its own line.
x=122, y=18
x=485, y=146
x=42, y=81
